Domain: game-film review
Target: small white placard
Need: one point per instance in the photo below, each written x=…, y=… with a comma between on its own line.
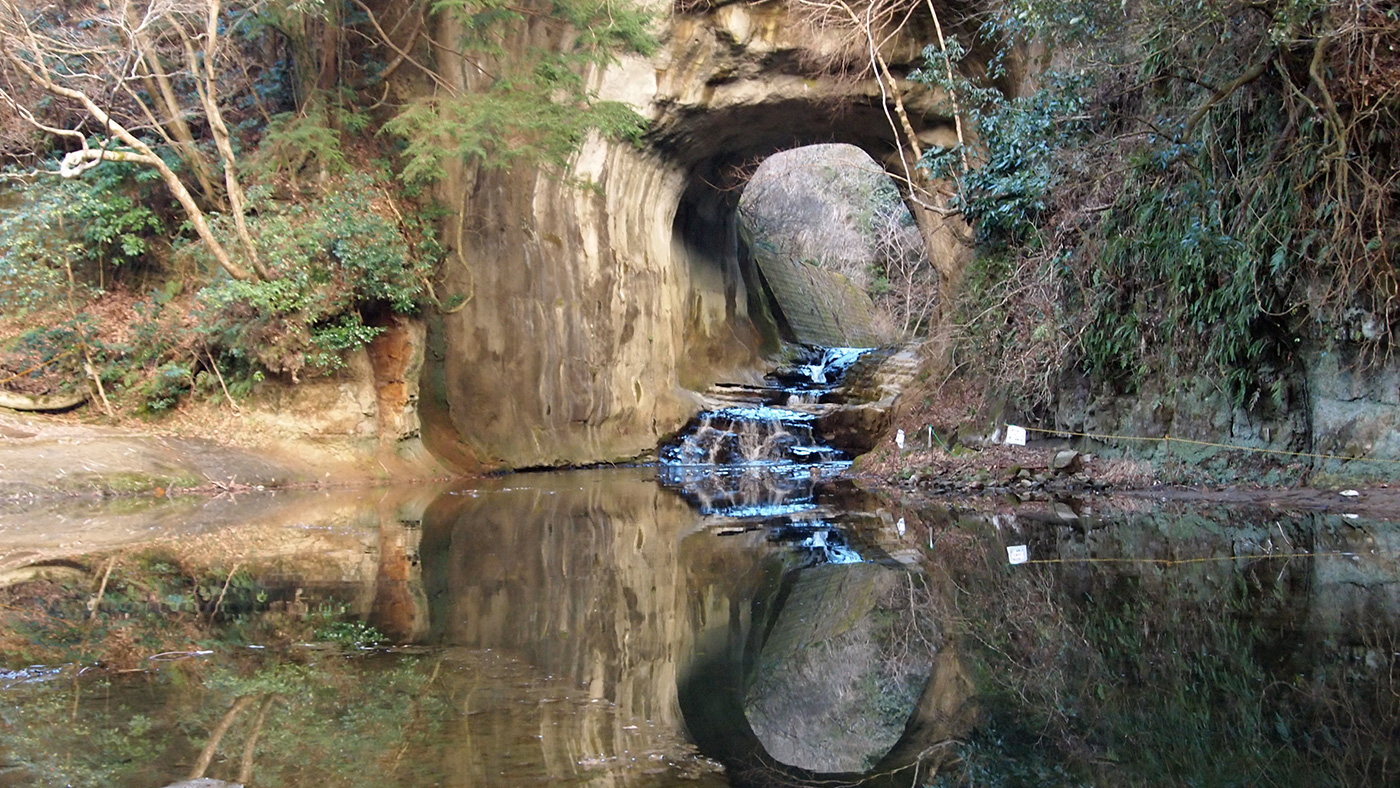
x=1018, y=554
x=899, y=439
x=1015, y=436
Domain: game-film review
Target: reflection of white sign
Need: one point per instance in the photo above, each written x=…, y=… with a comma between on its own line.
x=899, y=526
x=1018, y=554
x=1015, y=436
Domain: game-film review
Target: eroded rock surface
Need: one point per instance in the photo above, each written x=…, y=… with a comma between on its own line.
x=590, y=315
x=42, y=459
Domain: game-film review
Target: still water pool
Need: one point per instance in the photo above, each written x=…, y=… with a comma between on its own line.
x=621, y=628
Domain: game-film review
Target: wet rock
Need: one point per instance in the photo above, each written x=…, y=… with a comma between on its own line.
x=855, y=428
x=815, y=252
x=1066, y=461
x=57, y=459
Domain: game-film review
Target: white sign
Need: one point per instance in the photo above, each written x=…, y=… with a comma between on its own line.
x=899, y=439
x=1018, y=554
x=1015, y=436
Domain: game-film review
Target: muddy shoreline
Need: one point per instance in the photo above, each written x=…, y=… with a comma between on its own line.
x=44, y=461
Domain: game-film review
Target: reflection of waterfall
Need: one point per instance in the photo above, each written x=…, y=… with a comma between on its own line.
x=806, y=676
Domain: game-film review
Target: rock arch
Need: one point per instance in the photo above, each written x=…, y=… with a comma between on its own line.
x=591, y=315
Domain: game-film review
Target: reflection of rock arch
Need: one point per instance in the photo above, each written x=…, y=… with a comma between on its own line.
x=715, y=685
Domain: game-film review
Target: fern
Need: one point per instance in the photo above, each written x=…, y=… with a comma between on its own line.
x=293, y=142
x=537, y=110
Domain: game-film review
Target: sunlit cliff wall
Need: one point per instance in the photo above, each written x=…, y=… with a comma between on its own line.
x=593, y=311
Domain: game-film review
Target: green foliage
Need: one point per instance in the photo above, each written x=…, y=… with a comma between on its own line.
x=516, y=121
x=535, y=108
x=1216, y=296
x=293, y=142
x=606, y=25
x=1191, y=206
x=113, y=210
x=1017, y=166
x=51, y=357
x=600, y=26
x=50, y=224
x=31, y=258
x=164, y=390
x=353, y=634
x=338, y=257
x=333, y=339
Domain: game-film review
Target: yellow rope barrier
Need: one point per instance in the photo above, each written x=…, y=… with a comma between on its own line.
x=1168, y=439
x=1181, y=561
x=37, y=367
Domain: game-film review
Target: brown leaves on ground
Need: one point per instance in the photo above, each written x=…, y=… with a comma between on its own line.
x=114, y=325
x=954, y=406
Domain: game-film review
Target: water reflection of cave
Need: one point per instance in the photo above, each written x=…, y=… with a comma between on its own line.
x=836, y=676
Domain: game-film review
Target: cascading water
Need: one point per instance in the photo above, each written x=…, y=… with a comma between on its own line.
x=755, y=460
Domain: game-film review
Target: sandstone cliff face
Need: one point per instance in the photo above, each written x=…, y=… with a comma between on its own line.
x=591, y=314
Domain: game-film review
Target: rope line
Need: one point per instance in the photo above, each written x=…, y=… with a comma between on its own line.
x=1181, y=561
x=38, y=367
x=1169, y=439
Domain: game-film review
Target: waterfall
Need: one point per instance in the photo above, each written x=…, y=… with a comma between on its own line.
x=757, y=457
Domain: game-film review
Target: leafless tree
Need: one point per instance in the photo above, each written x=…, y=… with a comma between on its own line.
x=136, y=69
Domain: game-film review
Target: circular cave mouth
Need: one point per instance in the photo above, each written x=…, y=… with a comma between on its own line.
x=800, y=203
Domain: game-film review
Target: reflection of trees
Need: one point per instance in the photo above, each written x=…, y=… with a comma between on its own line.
x=331, y=721
x=139, y=704
x=1141, y=674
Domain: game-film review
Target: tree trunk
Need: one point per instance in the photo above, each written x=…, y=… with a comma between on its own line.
x=162, y=94
x=205, y=86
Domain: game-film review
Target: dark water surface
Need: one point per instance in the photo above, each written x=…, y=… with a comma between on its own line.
x=603, y=628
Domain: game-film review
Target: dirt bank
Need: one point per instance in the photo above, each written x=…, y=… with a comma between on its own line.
x=1029, y=473
x=55, y=457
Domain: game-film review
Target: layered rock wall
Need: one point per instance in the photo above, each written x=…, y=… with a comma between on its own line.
x=592, y=312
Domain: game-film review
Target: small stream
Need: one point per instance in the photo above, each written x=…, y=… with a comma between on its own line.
x=758, y=459
x=732, y=616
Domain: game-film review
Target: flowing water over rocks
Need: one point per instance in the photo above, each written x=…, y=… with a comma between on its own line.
x=758, y=455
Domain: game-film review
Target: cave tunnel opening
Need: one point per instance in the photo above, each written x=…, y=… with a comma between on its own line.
x=722, y=148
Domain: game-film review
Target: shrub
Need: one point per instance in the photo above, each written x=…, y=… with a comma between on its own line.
x=164, y=390
x=338, y=258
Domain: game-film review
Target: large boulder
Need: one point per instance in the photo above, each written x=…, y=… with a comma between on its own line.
x=820, y=222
